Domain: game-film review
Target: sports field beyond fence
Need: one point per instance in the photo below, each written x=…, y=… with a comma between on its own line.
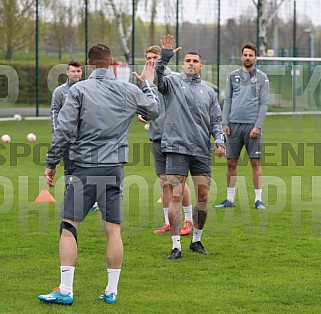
x=260, y=261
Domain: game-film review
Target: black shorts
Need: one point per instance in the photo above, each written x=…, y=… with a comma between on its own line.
x=88, y=185
x=180, y=164
x=239, y=137
x=159, y=158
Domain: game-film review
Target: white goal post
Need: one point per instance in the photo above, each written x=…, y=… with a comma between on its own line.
x=304, y=73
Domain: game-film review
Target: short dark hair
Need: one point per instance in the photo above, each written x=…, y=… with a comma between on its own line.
x=99, y=55
x=195, y=53
x=249, y=46
x=74, y=63
x=154, y=49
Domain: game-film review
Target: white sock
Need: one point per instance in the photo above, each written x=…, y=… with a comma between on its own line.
x=176, y=242
x=258, y=194
x=165, y=210
x=188, y=212
x=66, y=279
x=197, y=235
x=231, y=194
x=113, y=278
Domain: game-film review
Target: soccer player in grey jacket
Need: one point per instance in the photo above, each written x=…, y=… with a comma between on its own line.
x=192, y=116
x=245, y=105
x=96, y=119
x=74, y=73
x=155, y=135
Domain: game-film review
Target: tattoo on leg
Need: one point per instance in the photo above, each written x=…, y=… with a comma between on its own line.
x=175, y=180
x=175, y=220
x=176, y=185
x=199, y=218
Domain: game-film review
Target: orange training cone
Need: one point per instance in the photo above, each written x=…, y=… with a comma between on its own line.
x=44, y=196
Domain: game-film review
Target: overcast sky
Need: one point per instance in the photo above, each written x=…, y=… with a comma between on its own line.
x=206, y=11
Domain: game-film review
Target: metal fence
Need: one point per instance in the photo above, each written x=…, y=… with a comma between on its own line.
x=217, y=29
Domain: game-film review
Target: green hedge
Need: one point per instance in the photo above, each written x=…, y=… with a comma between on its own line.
x=27, y=83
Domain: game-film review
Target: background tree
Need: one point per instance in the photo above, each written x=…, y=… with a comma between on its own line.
x=100, y=26
x=266, y=13
x=235, y=34
x=101, y=29
x=169, y=15
x=123, y=19
x=153, y=12
x=16, y=25
x=62, y=32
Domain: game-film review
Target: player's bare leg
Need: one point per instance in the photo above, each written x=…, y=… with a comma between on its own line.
x=165, y=196
x=187, y=227
x=176, y=187
x=257, y=182
x=202, y=185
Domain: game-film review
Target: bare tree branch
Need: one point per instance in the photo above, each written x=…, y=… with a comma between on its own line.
x=124, y=32
x=265, y=19
x=153, y=12
x=274, y=12
x=255, y=3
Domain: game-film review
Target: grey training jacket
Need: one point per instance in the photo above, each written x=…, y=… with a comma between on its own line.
x=193, y=114
x=96, y=117
x=156, y=126
x=59, y=96
x=246, y=97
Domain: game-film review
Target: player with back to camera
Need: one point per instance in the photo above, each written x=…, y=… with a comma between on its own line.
x=193, y=115
x=74, y=73
x=245, y=105
x=96, y=118
x=155, y=135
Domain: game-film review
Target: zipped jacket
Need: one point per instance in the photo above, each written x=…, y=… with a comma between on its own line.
x=246, y=97
x=58, y=99
x=96, y=118
x=193, y=114
x=156, y=126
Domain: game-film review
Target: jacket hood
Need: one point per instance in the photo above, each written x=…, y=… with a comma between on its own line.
x=103, y=73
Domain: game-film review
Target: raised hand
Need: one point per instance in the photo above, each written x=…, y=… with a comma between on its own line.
x=148, y=71
x=167, y=43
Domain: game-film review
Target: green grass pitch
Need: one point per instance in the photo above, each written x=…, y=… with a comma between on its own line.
x=259, y=262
